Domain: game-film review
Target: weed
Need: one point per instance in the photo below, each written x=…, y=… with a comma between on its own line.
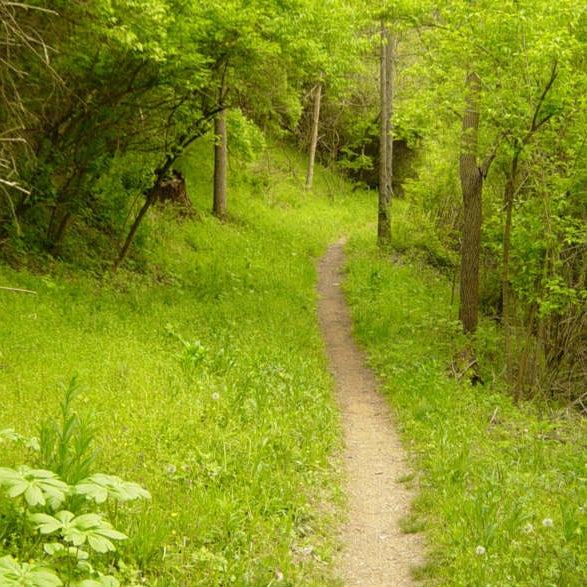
x=52, y=517
x=66, y=446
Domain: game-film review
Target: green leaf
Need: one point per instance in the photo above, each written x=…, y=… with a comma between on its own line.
x=58, y=550
x=100, y=487
x=45, y=523
x=38, y=486
x=15, y=574
x=100, y=544
x=90, y=528
x=34, y=496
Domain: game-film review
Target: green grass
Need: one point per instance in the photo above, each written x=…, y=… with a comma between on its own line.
x=205, y=374
x=503, y=488
x=206, y=377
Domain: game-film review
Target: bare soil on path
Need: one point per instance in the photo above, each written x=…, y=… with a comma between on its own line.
x=375, y=553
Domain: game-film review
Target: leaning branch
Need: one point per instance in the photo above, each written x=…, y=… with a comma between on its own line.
x=18, y=290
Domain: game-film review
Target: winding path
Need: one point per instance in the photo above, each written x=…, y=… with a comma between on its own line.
x=375, y=551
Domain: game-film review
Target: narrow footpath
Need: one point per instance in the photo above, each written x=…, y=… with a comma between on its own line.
x=375, y=551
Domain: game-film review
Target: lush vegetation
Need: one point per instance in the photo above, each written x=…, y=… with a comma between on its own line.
x=488, y=121
x=205, y=383
x=195, y=341
x=502, y=487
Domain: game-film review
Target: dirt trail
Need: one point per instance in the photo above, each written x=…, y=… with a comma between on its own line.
x=376, y=553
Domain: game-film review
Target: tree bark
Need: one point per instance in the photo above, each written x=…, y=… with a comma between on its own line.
x=471, y=176
x=314, y=139
x=509, y=194
x=220, y=164
x=511, y=187
x=385, y=138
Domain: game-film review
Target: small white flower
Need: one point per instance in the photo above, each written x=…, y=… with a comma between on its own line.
x=170, y=469
x=215, y=396
x=548, y=522
x=480, y=550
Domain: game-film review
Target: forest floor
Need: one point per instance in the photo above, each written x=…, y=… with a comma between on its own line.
x=375, y=553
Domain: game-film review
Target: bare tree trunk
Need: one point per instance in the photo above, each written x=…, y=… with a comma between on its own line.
x=472, y=187
x=385, y=137
x=509, y=193
x=314, y=139
x=220, y=164
x=149, y=200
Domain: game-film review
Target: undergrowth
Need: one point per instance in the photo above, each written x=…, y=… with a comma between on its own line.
x=54, y=526
x=205, y=375
x=503, y=492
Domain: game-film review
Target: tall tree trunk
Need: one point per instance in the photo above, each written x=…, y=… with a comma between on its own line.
x=385, y=137
x=220, y=164
x=471, y=176
x=314, y=140
x=511, y=187
x=509, y=193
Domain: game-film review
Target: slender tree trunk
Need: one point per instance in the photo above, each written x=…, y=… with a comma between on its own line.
x=183, y=142
x=133, y=230
x=511, y=187
x=60, y=233
x=150, y=198
x=472, y=187
x=220, y=164
x=509, y=193
x=314, y=139
x=385, y=137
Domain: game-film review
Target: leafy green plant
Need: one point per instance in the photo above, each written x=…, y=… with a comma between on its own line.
x=36, y=486
x=100, y=487
x=66, y=444
x=79, y=530
x=15, y=574
x=57, y=523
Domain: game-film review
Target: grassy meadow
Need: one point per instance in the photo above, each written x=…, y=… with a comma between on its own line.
x=205, y=376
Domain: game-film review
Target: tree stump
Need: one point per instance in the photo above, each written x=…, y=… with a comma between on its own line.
x=174, y=190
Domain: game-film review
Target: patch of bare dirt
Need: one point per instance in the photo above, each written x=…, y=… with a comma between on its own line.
x=376, y=553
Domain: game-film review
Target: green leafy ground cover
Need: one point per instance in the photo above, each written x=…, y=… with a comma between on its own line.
x=205, y=375
x=503, y=488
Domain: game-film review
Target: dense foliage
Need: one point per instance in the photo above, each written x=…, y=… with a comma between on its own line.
x=103, y=97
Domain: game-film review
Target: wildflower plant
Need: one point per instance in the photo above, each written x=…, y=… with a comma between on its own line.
x=56, y=525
